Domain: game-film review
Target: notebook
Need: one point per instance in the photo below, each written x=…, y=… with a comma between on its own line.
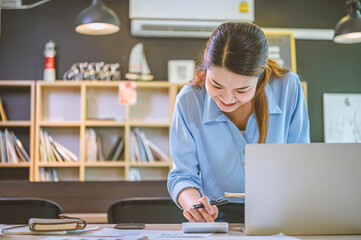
x=303, y=189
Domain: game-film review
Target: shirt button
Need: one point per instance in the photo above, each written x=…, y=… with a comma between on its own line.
x=244, y=150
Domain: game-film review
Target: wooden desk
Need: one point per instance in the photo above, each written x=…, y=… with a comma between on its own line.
x=234, y=233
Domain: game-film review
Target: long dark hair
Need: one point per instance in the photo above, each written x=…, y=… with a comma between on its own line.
x=241, y=48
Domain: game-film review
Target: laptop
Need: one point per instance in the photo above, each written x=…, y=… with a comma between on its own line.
x=303, y=189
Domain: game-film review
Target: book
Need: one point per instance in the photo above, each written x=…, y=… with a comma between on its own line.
x=87, y=145
x=19, y=154
x=143, y=157
x=146, y=146
x=48, y=175
x=54, y=227
x=100, y=153
x=64, y=223
x=135, y=147
x=91, y=145
x=2, y=112
x=42, y=149
x=55, y=175
x=131, y=150
x=94, y=147
x=42, y=174
x=57, y=153
x=19, y=146
x=52, y=151
x=157, y=151
x=69, y=156
x=49, y=153
x=57, y=156
x=134, y=174
x=117, y=149
x=2, y=148
x=12, y=157
x=114, y=148
x=6, y=148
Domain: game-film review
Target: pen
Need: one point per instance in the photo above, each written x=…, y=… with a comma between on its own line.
x=217, y=202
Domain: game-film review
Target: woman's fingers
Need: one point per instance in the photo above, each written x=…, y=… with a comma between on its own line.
x=189, y=216
x=197, y=215
x=207, y=205
x=206, y=215
x=215, y=212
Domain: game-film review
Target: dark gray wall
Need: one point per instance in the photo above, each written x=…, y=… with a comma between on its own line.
x=326, y=66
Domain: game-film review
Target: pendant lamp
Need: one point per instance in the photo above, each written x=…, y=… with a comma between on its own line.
x=348, y=29
x=97, y=20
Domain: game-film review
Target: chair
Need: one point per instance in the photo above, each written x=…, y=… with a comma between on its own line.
x=145, y=210
x=19, y=210
x=231, y=213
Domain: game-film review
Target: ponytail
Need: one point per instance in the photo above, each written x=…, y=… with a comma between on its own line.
x=260, y=103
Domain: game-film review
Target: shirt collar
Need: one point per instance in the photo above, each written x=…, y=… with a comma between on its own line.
x=211, y=111
x=273, y=107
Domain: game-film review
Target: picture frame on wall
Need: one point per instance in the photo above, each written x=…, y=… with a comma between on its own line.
x=342, y=117
x=180, y=71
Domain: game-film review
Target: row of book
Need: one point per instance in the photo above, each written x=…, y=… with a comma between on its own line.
x=94, y=147
x=144, y=150
x=11, y=149
x=48, y=175
x=52, y=151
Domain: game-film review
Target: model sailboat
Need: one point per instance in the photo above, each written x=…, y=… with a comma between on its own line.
x=138, y=66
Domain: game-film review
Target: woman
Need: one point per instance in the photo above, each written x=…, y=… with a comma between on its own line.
x=238, y=96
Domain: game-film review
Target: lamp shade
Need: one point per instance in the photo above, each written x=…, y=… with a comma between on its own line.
x=97, y=20
x=348, y=29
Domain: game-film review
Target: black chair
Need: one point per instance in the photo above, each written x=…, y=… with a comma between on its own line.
x=19, y=210
x=231, y=213
x=145, y=210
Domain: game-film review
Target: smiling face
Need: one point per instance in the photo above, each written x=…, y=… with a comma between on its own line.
x=229, y=90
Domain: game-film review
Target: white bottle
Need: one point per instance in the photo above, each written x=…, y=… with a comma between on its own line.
x=49, y=53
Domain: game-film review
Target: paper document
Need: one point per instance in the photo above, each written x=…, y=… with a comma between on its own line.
x=111, y=232
x=128, y=237
x=95, y=238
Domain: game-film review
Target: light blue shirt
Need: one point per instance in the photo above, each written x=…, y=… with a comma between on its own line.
x=208, y=149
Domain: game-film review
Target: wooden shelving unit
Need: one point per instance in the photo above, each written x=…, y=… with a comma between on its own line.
x=18, y=98
x=67, y=109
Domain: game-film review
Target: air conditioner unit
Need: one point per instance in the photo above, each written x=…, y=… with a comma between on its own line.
x=185, y=18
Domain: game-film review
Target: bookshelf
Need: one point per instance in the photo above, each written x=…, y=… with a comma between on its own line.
x=68, y=110
x=18, y=100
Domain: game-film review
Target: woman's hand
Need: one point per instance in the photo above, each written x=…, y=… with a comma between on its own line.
x=207, y=214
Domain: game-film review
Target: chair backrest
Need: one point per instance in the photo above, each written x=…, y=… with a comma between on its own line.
x=231, y=213
x=145, y=210
x=19, y=210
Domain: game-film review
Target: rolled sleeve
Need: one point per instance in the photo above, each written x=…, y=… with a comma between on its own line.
x=180, y=186
x=185, y=172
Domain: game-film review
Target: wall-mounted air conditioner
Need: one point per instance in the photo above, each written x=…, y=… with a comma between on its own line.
x=185, y=18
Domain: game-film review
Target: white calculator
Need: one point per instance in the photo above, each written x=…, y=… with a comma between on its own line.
x=205, y=227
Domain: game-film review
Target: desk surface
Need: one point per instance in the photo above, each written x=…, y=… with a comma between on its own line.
x=234, y=233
